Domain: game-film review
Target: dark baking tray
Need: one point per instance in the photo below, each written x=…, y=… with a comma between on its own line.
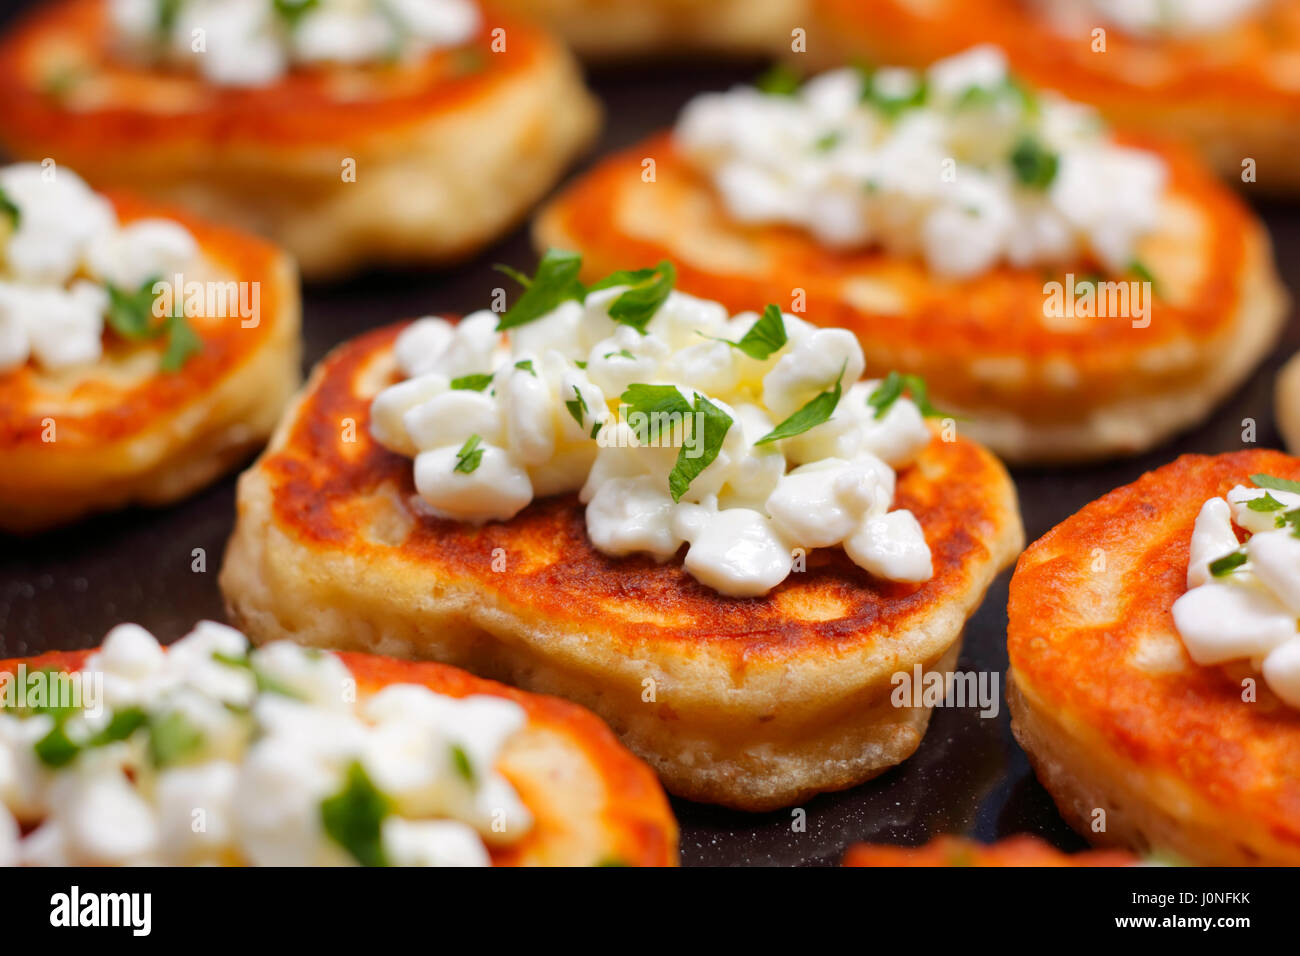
x=64, y=590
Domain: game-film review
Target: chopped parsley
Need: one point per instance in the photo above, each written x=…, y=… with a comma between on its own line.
x=715, y=424
x=1034, y=164
x=1275, y=483
x=10, y=210
x=130, y=315
x=577, y=406
x=887, y=102
x=470, y=456
x=473, y=383
x=354, y=817
x=621, y=353
x=818, y=410
x=780, y=80
x=461, y=762
x=555, y=281
x=292, y=11
x=893, y=386
x=1265, y=504
x=1143, y=273
x=172, y=739
x=1221, y=567
x=637, y=306
x=764, y=337
x=828, y=141
x=526, y=365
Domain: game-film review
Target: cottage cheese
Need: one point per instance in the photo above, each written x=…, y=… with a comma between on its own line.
x=1251, y=612
x=255, y=42
x=58, y=259
x=238, y=756
x=958, y=165
x=549, y=415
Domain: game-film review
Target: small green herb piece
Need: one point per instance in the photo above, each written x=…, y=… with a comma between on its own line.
x=1265, y=504
x=231, y=660
x=460, y=760
x=828, y=141
x=266, y=684
x=714, y=424
x=658, y=403
x=56, y=749
x=637, y=306
x=131, y=315
x=1034, y=164
x=890, y=104
x=1275, y=483
x=172, y=738
x=555, y=281
x=621, y=353
x=10, y=210
x=1221, y=567
x=527, y=366
x=1144, y=274
x=469, y=456
x=354, y=817
x=622, y=277
x=182, y=342
x=818, y=410
x=894, y=386
x=292, y=11
x=764, y=337
x=168, y=11
x=577, y=407
x=473, y=383
x=780, y=80
x=121, y=725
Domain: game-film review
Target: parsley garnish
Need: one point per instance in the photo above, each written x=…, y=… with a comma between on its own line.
x=10, y=208
x=891, y=389
x=56, y=749
x=555, y=281
x=621, y=353
x=827, y=141
x=1221, y=567
x=637, y=306
x=1275, y=483
x=527, y=366
x=765, y=336
x=472, y=383
x=889, y=104
x=1265, y=504
x=460, y=760
x=1034, y=164
x=658, y=403
x=292, y=11
x=469, y=456
x=354, y=817
x=172, y=738
x=130, y=315
x=780, y=80
x=577, y=406
x=1142, y=272
x=715, y=424
x=817, y=410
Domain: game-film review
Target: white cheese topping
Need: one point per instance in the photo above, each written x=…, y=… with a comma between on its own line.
x=225, y=756
x=255, y=42
x=1149, y=17
x=1250, y=609
x=554, y=409
x=61, y=248
x=960, y=165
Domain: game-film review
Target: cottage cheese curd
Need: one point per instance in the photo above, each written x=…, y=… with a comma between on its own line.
x=1150, y=17
x=255, y=42
x=1249, y=609
x=958, y=164
x=61, y=248
x=261, y=757
x=566, y=403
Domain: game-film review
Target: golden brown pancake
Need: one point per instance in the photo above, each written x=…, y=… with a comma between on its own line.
x=752, y=703
x=607, y=29
x=1035, y=388
x=123, y=431
x=1021, y=850
x=1115, y=715
x=1234, y=93
x=592, y=802
x=448, y=151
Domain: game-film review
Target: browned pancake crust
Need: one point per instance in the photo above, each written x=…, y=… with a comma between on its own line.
x=636, y=823
x=1097, y=667
x=753, y=703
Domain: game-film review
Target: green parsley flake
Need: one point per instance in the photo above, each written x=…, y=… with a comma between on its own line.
x=555, y=281
x=1034, y=164
x=780, y=80
x=526, y=365
x=470, y=456
x=1221, y=567
x=461, y=762
x=172, y=739
x=638, y=305
x=354, y=817
x=817, y=410
x=130, y=315
x=715, y=423
x=764, y=337
x=473, y=383
x=9, y=209
x=893, y=386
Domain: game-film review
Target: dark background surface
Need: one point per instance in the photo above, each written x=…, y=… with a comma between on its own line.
x=65, y=589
